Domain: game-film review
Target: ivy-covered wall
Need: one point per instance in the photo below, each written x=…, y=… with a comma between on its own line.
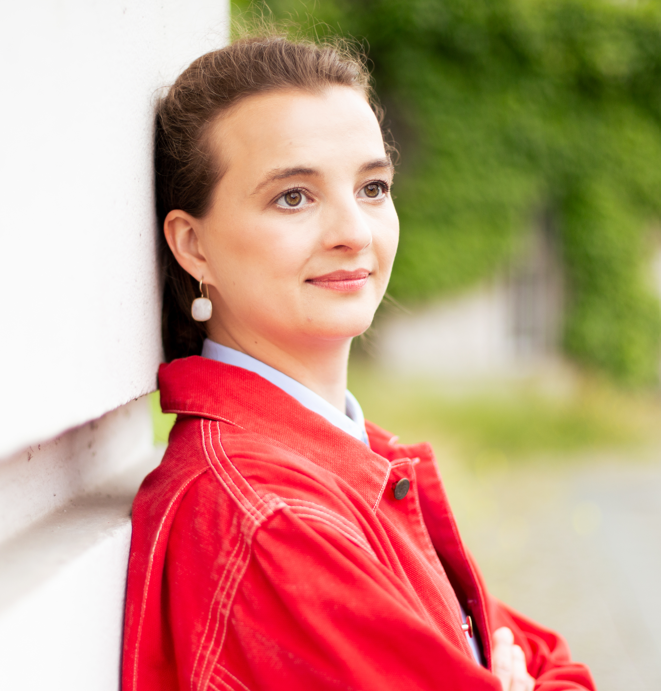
x=504, y=109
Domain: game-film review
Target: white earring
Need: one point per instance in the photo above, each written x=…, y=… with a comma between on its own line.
x=201, y=307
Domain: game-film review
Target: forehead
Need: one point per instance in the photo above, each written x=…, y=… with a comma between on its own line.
x=286, y=128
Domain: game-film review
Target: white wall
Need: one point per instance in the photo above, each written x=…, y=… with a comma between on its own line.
x=79, y=317
x=64, y=543
x=78, y=286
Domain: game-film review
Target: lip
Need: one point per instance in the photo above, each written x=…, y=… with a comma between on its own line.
x=342, y=281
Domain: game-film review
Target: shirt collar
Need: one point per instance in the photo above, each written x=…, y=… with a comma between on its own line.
x=352, y=423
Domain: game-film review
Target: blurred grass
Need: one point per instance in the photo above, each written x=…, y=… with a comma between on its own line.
x=510, y=420
x=162, y=422
x=491, y=424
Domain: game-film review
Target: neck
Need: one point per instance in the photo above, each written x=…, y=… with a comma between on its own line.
x=321, y=367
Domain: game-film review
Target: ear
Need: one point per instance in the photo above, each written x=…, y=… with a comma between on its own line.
x=182, y=235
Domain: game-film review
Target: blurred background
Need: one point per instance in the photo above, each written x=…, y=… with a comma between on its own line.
x=522, y=335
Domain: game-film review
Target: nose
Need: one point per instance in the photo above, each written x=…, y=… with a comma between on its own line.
x=347, y=226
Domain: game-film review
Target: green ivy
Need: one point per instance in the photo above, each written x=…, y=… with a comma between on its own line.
x=505, y=107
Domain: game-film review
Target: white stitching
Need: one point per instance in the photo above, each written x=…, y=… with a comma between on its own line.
x=343, y=522
x=246, y=505
x=451, y=605
x=229, y=461
x=355, y=539
x=383, y=488
x=253, y=506
x=227, y=608
x=303, y=511
x=221, y=580
x=291, y=501
x=226, y=672
x=149, y=570
x=217, y=606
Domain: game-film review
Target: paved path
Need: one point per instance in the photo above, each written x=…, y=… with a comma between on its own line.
x=575, y=546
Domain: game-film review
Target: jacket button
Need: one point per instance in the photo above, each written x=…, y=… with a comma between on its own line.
x=468, y=626
x=401, y=488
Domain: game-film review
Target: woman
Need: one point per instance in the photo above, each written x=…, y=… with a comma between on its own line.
x=284, y=543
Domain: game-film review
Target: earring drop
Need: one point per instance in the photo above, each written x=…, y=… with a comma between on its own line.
x=202, y=307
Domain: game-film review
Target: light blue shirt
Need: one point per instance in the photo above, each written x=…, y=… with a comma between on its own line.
x=353, y=422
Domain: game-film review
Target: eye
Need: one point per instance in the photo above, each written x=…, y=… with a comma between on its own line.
x=292, y=199
x=375, y=190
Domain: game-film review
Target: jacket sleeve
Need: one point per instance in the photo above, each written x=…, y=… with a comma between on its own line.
x=547, y=653
x=306, y=607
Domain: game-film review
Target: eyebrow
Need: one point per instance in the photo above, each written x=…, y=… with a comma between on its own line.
x=283, y=174
x=296, y=171
x=377, y=164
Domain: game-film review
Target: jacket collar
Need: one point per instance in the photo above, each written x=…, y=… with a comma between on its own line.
x=351, y=421
x=205, y=388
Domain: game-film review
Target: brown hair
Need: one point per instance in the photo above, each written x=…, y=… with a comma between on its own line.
x=186, y=170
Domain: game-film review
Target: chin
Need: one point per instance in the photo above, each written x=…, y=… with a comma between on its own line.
x=341, y=327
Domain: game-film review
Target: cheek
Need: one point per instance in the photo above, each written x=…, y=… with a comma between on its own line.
x=261, y=252
x=387, y=241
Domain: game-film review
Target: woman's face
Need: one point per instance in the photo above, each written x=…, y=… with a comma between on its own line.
x=299, y=242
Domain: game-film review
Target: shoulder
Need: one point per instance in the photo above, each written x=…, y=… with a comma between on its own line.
x=215, y=475
x=255, y=476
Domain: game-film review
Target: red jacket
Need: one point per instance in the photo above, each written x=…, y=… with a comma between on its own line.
x=269, y=552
